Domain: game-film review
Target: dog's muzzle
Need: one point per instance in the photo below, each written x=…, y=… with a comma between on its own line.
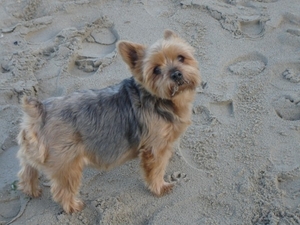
x=176, y=76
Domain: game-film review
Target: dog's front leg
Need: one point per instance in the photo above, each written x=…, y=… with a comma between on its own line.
x=154, y=163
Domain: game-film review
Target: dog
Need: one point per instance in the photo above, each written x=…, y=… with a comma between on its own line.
x=140, y=117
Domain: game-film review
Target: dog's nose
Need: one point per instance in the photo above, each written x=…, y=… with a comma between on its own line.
x=177, y=75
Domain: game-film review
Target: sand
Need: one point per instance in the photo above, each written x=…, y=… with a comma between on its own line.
x=238, y=163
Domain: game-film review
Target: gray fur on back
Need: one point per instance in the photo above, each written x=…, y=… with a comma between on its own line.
x=110, y=121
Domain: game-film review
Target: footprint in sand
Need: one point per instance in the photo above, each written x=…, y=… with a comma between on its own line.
x=9, y=167
x=157, y=8
x=95, y=48
x=252, y=27
x=203, y=115
x=86, y=48
x=286, y=76
x=247, y=68
x=12, y=205
x=198, y=154
x=98, y=49
x=234, y=2
x=204, y=211
x=39, y=30
x=239, y=19
x=63, y=50
x=295, y=32
x=289, y=183
x=177, y=177
x=291, y=75
x=249, y=65
x=287, y=108
x=223, y=111
x=290, y=34
x=196, y=146
x=26, y=10
x=265, y=1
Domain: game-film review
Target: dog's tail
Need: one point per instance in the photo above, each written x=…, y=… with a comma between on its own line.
x=29, y=136
x=32, y=107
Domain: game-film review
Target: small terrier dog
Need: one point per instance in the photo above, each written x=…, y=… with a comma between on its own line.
x=140, y=117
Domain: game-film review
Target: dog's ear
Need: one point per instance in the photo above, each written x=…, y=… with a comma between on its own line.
x=133, y=55
x=168, y=34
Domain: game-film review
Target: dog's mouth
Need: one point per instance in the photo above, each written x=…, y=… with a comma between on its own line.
x=178, y=83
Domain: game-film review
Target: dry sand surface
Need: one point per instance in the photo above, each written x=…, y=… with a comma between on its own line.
x=239, y=163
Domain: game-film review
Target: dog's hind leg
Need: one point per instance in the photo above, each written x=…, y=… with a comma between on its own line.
x=65, y=184
x=28, y=174
x=28, y=179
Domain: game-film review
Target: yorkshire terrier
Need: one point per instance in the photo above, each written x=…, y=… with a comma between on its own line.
x=140, y=117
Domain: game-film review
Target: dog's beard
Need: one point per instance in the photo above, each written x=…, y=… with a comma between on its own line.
x=174, y=89
x=179, y=83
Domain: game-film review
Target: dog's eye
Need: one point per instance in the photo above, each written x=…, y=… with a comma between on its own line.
x=180, y=58
x=157, y=70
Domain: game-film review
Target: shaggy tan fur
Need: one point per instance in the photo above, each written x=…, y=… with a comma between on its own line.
x=143, y=116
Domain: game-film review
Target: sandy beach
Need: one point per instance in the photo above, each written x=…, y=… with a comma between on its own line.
x=239, y=161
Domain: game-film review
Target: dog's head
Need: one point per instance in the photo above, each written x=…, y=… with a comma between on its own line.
x=165, y=69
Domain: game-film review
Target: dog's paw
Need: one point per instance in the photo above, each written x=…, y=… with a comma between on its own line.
x=37, y=192
x=161, y=190
x=30, y=191
x=166, y=188
x=75, y=206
